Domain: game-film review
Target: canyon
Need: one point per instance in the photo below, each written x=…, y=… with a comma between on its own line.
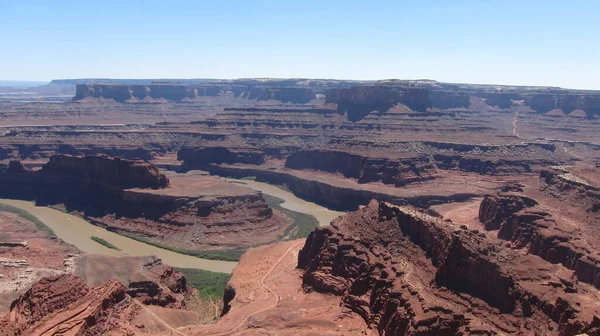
x=463, y=209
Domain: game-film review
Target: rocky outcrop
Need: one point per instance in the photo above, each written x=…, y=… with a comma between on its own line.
x=152, y=294
x=163, y=286
x=63, y=305
x=364, y=169
x=484, y=166
x=202, y=222
x=118, y=172
x=570, y=189
x=228, y=296
x=501, y=99
x=202, y=156
x=518, y=220
x=46, y=297
x=392, y=265
x=494, y=210
x=66, y=305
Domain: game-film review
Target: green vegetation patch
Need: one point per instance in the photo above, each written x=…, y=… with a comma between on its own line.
x=224, y=255
x=39, y=225
x=248, y=178
x=302, y=224
x=104, y=243
x=210, y=285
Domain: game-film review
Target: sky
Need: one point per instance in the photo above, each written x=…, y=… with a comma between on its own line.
x=525, y=42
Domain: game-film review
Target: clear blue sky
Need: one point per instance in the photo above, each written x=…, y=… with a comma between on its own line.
x=485, y=41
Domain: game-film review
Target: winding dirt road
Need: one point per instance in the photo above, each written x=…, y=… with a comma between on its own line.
x=263, y=285
x=139, y=304
x=514, y=124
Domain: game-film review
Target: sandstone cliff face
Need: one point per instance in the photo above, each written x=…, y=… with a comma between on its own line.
x=501, y=99
x=294, y=95
x=542, y=103
x=393, y=265
x=518, y=220
x=449, y=99
x=494, y=209
x=63, y=305
x=198, y=157
x=566, y=101
x=123, y=173
x=565, y=187
x=122, y=93
x=483, y=166
x=66, y=305
x=364, y=169
x=163, y=287
x=179, y=92
x=195, y=223
x=359, y=101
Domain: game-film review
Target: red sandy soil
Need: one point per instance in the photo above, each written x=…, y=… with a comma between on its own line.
x=269, y=300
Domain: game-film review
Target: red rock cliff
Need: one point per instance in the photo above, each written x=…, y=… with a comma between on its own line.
x=119, y=172
x=364, y=169
x=122, y=93
x=407, y=273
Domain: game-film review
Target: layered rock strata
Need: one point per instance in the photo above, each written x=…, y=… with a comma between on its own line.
x=364, y=169
x=114, y=171
x=64, y=305
x=520, y=220
x=409, y=273
x=178, y=92
x=193, y=212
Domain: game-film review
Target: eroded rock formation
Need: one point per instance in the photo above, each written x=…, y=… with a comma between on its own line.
x=122, y=93
x=177, y=92
x=66, y=305
x=294, y=95
x=123, y=173
x=520, y=220
x=359, y=101
x=63, y=305
x=199, y=157
x=132, y=197
x=409, y=273
x=364, y=169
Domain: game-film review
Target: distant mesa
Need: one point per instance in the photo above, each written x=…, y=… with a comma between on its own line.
x=177, y=92
x=356, y=99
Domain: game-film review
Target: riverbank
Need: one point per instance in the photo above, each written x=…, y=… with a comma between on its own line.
x=291, y=201
x=78, y=232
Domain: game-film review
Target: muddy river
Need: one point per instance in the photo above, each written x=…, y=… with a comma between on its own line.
x=77, y=232
x=323, y=215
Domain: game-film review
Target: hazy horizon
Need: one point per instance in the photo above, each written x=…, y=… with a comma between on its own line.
x=537, y=43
